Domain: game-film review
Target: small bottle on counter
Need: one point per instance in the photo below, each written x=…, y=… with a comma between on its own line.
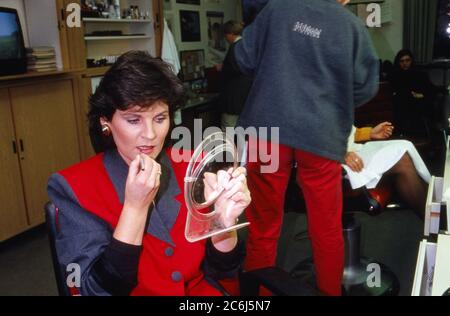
x=117, y=9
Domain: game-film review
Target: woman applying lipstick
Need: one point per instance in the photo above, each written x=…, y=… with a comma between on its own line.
x=121, y=214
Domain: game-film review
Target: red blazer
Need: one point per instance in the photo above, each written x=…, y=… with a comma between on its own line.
x=168, y=265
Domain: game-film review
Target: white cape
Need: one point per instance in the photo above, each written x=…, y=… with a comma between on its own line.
x=380, y=156
x=169, y=49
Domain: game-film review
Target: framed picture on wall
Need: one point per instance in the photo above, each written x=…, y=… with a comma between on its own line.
x=190, y=26
x=216, y=37
x=196, y=2
x=192, y=64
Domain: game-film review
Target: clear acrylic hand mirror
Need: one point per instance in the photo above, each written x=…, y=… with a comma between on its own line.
x=216, y=152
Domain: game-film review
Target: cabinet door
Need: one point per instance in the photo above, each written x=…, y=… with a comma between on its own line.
x=46, y=129
x=13, y=217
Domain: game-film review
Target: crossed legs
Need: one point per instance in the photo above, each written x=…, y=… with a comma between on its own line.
x=409, y=185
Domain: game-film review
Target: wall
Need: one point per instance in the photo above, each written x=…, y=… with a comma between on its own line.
x=43, y=26
x=230, y=8
x=388, y=39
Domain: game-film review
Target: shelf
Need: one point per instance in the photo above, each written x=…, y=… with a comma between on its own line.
x=109, y=38
x=38, y=74
x=95, y=72
x=100, y=20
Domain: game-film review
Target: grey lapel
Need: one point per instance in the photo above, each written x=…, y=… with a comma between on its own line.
x=164, y=215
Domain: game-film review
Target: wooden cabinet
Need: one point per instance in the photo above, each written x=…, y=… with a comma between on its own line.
x=12, y=208
x=85, y=87
x=39, y=136
x=43, y=125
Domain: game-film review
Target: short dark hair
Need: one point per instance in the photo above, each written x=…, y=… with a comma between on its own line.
x=136, y=79
x=402, y=53
x=233, y=27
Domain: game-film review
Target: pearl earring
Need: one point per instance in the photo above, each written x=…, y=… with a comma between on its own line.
x=105, y=130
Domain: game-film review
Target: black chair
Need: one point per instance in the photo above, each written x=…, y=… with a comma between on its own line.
x=51, y=220
x=356, y=269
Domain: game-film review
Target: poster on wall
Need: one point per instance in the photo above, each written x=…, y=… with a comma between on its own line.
x=190, y=26
x=192, y=64
x=196, y=2
x=217, y=45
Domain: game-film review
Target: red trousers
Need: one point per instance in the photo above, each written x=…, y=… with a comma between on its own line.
x=321, y=183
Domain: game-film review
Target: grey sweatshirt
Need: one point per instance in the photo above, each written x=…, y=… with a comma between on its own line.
x=313, y=62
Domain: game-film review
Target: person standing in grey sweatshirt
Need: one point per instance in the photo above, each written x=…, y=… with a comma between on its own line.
x=313, y=62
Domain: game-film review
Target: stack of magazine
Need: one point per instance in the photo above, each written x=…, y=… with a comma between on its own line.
x=41, y=59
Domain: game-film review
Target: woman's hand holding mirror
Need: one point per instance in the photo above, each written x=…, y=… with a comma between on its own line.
x=229, y=189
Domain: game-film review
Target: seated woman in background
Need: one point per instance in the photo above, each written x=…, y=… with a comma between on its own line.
x=122, y=213
x=413, y=95
x=367, y=164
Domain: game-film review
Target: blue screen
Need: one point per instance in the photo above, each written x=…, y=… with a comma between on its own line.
x=251, y=8
x=10, y=36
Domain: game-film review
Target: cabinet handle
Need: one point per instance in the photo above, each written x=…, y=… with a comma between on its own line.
x=14, y=146
x=21, y=145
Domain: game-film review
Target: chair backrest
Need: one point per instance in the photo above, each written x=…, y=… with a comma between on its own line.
x=51, y=219
x=378, y=109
